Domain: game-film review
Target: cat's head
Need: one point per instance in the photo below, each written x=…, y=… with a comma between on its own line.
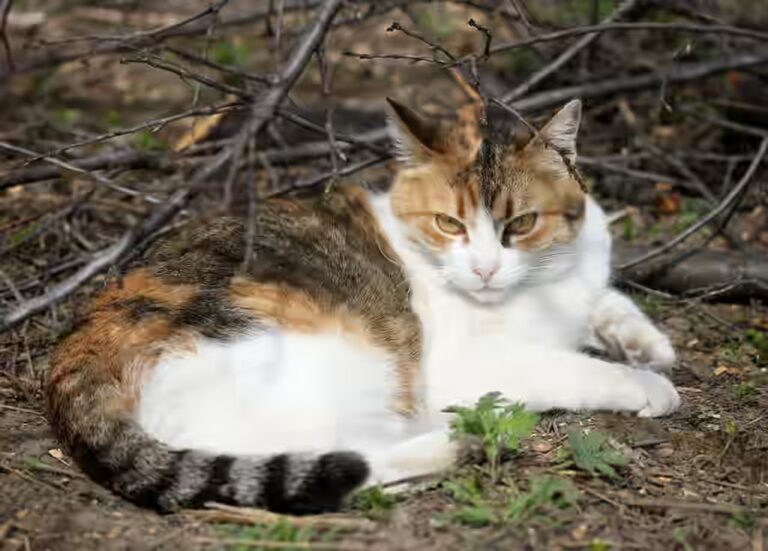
x=488, y=217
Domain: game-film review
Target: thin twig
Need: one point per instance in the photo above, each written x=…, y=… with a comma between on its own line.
x=395, y=26
x=98, y=178
x=5, y=10
x=186, y=74
x=270, y=544
x=523, y=88
x=218, y=512
x=642, y=26
x=488, y=37
x=263, y=111
x=713, y=214
x=679, y=72
x=225, y=69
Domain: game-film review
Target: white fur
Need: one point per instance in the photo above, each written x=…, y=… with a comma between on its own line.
x=517, y=333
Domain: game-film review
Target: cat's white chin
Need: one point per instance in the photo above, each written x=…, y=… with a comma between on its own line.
x=488, y=295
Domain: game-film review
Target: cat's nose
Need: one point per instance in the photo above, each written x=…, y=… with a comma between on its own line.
x=486, y=272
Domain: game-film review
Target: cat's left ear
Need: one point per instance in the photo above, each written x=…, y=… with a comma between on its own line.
x=561, y=131
x=416, y=136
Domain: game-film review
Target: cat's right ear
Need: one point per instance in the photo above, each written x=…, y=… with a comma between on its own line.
x=416, y=136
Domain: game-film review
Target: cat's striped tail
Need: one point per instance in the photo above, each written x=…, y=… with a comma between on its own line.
x=118, y=454
x=92, y=389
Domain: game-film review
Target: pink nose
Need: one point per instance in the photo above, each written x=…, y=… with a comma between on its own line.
x=486, y=272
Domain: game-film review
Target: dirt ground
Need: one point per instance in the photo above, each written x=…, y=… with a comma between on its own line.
x=696, y=480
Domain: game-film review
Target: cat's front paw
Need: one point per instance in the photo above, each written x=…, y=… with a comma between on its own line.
x=660, y=394
x=640, y=343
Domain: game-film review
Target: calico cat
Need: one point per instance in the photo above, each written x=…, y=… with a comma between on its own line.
x=327, y=361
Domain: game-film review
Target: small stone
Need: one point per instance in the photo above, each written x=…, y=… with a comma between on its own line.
x=665, y=450
x=541, y=446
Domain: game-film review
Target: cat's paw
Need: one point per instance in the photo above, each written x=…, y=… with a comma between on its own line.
x=660, y=394
x=637, y=341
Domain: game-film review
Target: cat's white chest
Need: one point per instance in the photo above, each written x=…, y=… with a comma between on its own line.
x=550, y=316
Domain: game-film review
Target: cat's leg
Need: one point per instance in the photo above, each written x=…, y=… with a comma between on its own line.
x=424, y=454
x=627, y=333
x=546, y=379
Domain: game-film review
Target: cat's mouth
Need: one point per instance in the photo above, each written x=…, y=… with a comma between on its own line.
x=488, y=295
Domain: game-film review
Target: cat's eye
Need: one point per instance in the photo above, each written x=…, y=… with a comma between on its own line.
x=519, y=226
x=449, y=225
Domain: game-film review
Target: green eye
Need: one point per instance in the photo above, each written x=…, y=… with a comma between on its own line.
x=448, y=224
x=520, y=226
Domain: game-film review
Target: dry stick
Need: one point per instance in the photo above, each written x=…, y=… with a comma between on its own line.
x=308, y=184
x=622, y=11
x=395, y=26
x=262, y=111
x=641, y=26
x=298, y=120
x=212, y=10
x=188, y=27
x=116, y=159
x=714, y=213
x=270, y=544
x=673, y=74
x=186, y=74
x=152, y=125
x=5, y=10
x=488, y=37
x=99, y=179
x=718, y=508
x=219, y=512
x=226, y=69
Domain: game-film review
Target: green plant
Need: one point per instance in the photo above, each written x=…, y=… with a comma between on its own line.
x=146, y=140
x=599, y=545
x=374, y=502
x=759, y=341
x=744, y=390
x=228, y=52
x=591, y=452
x=279, y=532
x=477, y=510
x=499, y=424
x=543, y=492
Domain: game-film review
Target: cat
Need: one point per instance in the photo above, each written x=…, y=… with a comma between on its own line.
x=327, y=361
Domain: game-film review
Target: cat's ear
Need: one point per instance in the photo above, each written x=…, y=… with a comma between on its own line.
x=561, y=130
x=416, y=136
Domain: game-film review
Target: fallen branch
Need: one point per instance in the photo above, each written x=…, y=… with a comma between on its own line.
x=681, y=72
x=523, y=88
x=723, y=206
x=640, y=26
x=732, y=276
x=113, y=159
x=218, y=512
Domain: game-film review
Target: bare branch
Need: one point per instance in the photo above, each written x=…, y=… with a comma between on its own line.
x=727, y=202
x=523, y=88
x=5, y=10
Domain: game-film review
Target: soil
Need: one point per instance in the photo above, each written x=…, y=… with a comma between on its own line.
x=696, y=480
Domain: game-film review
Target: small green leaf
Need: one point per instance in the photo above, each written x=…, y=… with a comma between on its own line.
x=591, y=452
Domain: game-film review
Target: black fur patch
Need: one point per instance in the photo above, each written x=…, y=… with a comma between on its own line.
x=140, y=308
x=273, y=490
x=331, y=479
x=211, y=313
x=218, y=476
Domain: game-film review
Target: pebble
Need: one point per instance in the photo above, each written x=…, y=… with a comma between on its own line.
x=541, y=446
x=664, y=451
